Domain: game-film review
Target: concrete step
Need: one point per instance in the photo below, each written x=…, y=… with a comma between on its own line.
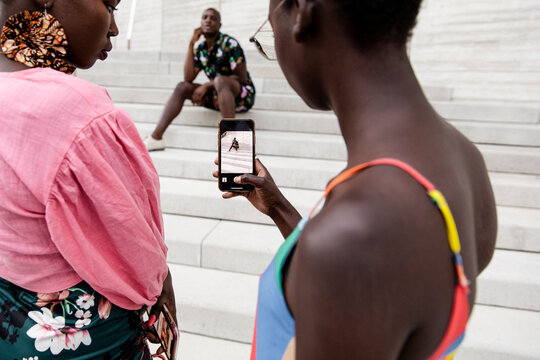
x=222, y=305
x=332, y=147
x=512, y=279
x=318, y=123
x=160, y=96
x=519, y=229
x=144, y=67
x=516, y=189
x=169, y=81
x=215, y=303
x=510, y=189
x=511, y=159
x=197, y=347
x=313, y=174
x=253, y=56
x=501, y=334
x=481, y=112
x=221, y=245
x=259, y=70
x=488, y=111
x=193, y=197
x=203, y=199
x=315, y=146
x=201, y=241
x=500, y=134
x=524, y=136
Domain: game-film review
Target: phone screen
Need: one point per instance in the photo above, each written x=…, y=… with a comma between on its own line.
x=236, y=152
x=167, y=332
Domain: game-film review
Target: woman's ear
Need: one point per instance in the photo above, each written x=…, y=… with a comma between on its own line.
x=305, y=24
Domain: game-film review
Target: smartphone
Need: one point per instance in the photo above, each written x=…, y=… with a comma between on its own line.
x=167, y=332
x=236, y=149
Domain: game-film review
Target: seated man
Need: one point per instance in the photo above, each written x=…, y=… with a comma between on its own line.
x=234, y=145
x=230, y=88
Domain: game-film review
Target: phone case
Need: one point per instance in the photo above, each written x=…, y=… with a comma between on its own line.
x=167, y=332
x=227, y=129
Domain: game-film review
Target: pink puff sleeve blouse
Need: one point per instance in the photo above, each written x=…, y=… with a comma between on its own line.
x=79, y=196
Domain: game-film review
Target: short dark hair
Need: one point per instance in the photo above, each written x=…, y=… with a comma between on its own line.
x=376, y=22
x=214, y=10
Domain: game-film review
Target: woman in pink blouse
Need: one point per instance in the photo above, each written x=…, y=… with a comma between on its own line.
x=81, y=231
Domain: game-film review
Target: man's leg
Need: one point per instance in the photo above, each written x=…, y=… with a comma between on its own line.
x=181, y=93
x=227, y=89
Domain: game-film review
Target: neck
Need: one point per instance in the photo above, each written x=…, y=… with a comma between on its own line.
x=377, y=100
x=8, y=65
x=211, y=39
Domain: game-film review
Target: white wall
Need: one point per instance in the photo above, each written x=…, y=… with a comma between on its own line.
x=167, y=25
x=483, y=49
x=148, y=25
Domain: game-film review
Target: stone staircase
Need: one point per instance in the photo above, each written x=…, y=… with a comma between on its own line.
x=218, y=248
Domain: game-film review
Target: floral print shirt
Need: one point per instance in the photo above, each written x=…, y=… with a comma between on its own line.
x=224, y=56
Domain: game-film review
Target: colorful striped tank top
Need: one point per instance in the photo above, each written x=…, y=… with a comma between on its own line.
x=274, y=325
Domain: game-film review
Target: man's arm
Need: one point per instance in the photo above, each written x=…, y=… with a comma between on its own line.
x=190, y=72
x=241, y=72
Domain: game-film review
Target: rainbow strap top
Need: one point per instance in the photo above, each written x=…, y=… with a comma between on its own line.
x=274, y=324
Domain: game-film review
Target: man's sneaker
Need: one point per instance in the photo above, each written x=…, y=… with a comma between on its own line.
x=153, y=144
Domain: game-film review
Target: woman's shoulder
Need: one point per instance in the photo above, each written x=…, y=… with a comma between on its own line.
x=63, y=91
x=372, y=210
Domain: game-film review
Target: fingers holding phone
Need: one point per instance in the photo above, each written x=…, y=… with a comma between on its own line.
x=265, y=194
x=265, y=197
x=163, y=311
x=164, y=331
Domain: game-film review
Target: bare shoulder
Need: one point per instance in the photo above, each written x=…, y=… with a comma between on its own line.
x=379, y=250
x=371, y=214
x=359, y=254
x=483, y=208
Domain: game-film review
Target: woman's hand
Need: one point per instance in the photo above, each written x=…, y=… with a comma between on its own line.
x=166, y=298
x=266, y=197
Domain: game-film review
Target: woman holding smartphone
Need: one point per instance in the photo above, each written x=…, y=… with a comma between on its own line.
x=81, y=232
x=387, y=267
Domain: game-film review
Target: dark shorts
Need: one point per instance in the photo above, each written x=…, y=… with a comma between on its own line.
x=243, y=102
x=76, y=323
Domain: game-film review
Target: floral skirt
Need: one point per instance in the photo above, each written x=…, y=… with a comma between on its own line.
x=76, y=323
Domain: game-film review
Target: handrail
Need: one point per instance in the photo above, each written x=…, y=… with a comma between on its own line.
x=129, y=33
